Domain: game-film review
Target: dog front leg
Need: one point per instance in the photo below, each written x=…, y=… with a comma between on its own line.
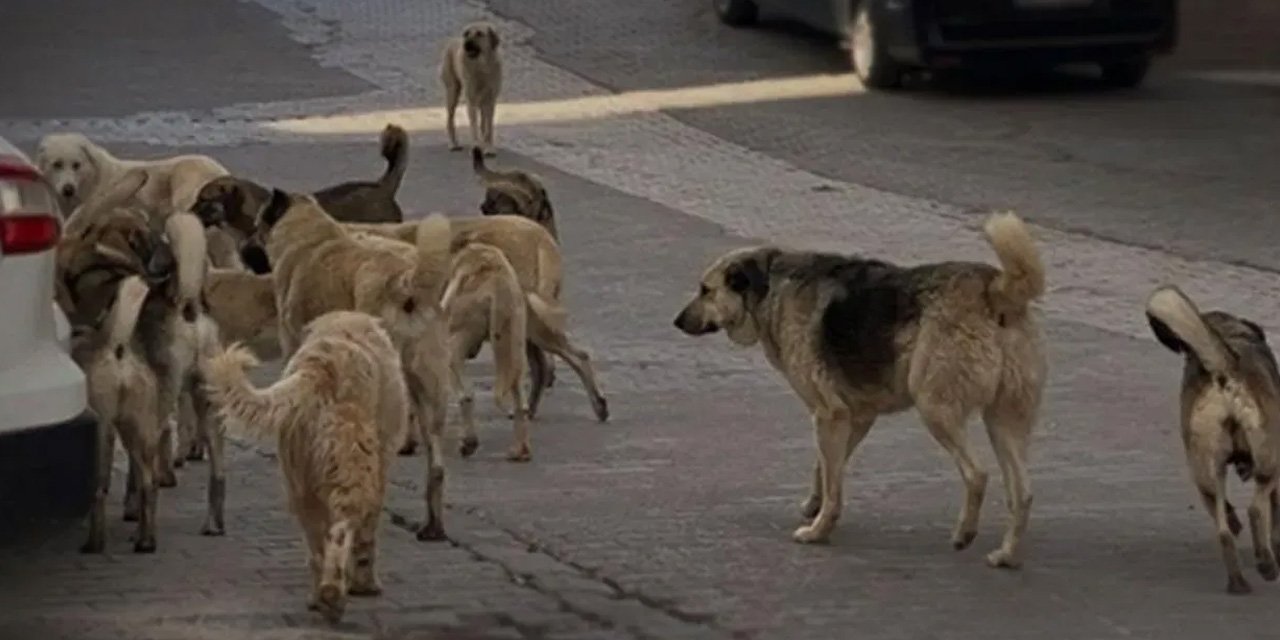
x=165, y=477
x=432, y=436
x=466, y=407
x=486, y=125
x=473, y=119
x=211, y=432
x=838, y=433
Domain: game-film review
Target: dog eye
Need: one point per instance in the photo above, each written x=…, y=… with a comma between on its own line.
x=75, y=166
x=409, y=305
x=57, y=165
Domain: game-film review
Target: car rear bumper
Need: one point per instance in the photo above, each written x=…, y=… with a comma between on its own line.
x=47, y=476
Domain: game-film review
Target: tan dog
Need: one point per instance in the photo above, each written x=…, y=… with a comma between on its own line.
x=534, y=255
x=78, y=169
x=123, y=392
x=1230, y=417
x=319, y=266
x=858, y=338
x=243, y=305
x=514, y=192
x=337, y=413
x=472, y=69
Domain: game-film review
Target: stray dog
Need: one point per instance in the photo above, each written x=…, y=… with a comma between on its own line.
x=319, y=266
x=472, y=69
x=1230, y=416
x=78, y=168
x=858, y=338
x=172, y=331
x=236, y=202
x=536, y=258
x=243, y=305
x=514, y=192
x=123, y=392
x=338, y=412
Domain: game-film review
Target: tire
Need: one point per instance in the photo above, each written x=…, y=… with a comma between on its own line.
x=1125, y=74
x=736, y=13
x=868, y=55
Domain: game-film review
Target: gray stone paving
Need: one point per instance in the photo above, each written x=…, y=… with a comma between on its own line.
x=673, y=519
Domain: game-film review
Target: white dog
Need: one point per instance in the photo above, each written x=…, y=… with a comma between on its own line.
x=78, y=168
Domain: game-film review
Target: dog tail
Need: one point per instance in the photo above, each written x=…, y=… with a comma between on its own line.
x=190, y=249
x=1177, y=324
x=550, y=315
x=508, y=332
x=395, y=150
x=434, y=239
x=124, y=316
x=256, y=412
x=1021, y=279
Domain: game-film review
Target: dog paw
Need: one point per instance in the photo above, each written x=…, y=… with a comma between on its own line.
x=196, y=454
x=809, y=534
x=601, y=406
x=212, y=530
x=365, y=590
x=145, y=545
x=810, y=507
x=1268, y=570
x=1001, y=559
x=330, y=603
x=179, y=463
x=410, y=448
x=468, y=446
x=432, y=532
x=962, y=539
x=1237, y=585
x=519, y=453
x=167, y=479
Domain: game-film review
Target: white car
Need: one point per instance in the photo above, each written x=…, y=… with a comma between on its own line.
x=48, y=436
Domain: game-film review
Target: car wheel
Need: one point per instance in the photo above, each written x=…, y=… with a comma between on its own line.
x=871, y=61
x=737, y=13
x=1127, y=73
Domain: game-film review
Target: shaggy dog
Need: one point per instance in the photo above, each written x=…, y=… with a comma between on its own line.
x=472, y=69
x=1230, y=417
x=78, y=169
x=514, y=192
x=319, y=266
x=858, y=338
x=338, y=412
x=236, y=203
x=172, y=330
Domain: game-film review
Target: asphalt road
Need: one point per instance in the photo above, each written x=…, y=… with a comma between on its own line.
x=673, y=519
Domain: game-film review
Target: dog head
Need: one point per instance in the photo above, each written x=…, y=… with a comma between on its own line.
x=729, y=291
x=230, y=201
x=479, y=39
x=68, y=162
x=513, y=192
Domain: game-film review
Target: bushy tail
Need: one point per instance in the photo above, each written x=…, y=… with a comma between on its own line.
x=395, y=150
x=508, y=333
x=549, y=314
x=434, y=238
x=190, y=247
x=255, y=411
x=1176, y=322
x=1022, y=273
x=124, y=316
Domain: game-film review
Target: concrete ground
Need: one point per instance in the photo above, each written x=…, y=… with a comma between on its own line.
x=673, y=519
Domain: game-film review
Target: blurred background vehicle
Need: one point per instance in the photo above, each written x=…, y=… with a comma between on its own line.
x=48, y=437
x=889, y=38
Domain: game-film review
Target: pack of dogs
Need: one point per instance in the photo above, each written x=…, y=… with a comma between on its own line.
x=178, y=277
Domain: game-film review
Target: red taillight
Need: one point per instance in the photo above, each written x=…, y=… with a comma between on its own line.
x=21, y=234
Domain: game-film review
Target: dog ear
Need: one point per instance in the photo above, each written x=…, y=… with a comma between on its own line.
x=255, y=257
x=1256, y=329
x=275, y=209
x=494, y=40
x=749, y=276
x=1165, y=335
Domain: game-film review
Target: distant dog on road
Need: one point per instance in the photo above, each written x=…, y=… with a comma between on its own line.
x=78, y=168
x=236, y=202
x=1230, y=417
x=472, y=69
x=338, y=413
x=858, y=338
x=514, y=192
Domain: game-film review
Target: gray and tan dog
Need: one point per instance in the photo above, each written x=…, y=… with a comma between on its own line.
x=1230, y=417
x=858, y=338
x=514, y=192
x=472, y=70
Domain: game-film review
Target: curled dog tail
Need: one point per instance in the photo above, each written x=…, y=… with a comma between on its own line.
x=256, y=411
x=1021, y=279
x=434, y=239
x=190, y=248
x=1176, y=322
x=124, y=316
x=395, y=150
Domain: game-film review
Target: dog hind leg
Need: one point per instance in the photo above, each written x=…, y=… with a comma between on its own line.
x=557, y=343
x=96, y=541
x=1261, y=525
x=1009, y=429
x=452, y=93
x=948, y=427
x=211, y=432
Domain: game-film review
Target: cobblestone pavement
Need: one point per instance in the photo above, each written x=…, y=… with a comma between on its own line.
x=672, y=520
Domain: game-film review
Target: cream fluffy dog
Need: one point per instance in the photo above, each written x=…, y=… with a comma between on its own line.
x=338, y=413
x=472, y=69
x=78, y=168
x=319, y=266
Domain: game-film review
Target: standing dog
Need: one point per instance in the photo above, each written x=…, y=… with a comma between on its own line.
x=236, y=202
x=319, y=266
x=514, y=192
x=472, y=69
x=78, y=168
x=338, y=413
x=858, y=338
x=1230, y=416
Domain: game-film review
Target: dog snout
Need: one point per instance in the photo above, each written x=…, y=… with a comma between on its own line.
x=688, y=322
x=68, y=190
x=209, y=212
x=488, y=208
x=471, y=47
